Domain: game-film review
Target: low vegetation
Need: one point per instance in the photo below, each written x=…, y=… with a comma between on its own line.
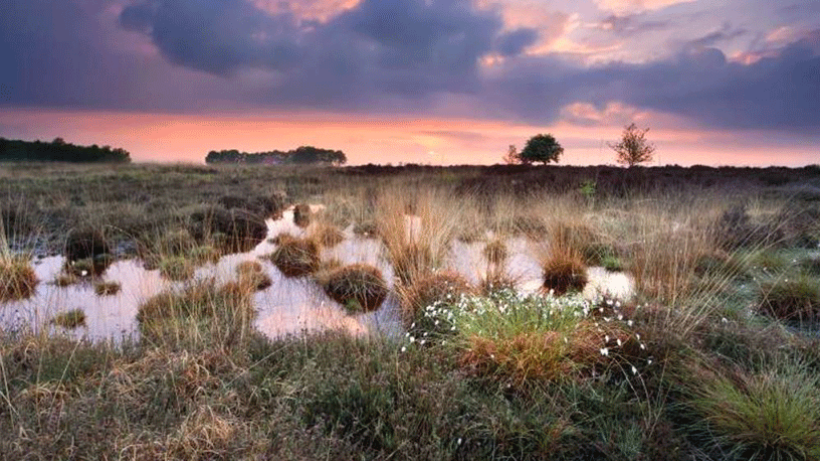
x=714, y=357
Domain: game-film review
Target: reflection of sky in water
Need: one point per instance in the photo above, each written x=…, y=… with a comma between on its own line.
x=288, y=306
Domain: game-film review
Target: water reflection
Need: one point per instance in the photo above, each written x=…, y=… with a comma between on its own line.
x=288, y=306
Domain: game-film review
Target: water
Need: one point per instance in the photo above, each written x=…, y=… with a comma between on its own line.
x=289, y=306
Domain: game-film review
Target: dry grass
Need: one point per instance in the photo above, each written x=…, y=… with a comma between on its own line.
x=107, y=288
x=302, y=215
x=72, y=319
x=252, y=275
x=296, y=257
x=17, y=278
x=176, y=268
x=357, y=287
x=435, y=287
x=564, y=273
x=328, y=235
x=496, y=252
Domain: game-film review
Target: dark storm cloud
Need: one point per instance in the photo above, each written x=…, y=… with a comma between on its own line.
x=513, y=43
x=380, y=56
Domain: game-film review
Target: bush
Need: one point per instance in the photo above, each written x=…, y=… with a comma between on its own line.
x=358, y=287
x=296, y=257
x=17, y=279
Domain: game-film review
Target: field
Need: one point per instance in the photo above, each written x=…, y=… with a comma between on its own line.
x=500, y=313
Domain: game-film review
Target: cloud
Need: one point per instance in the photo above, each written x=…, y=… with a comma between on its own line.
x=513, y=43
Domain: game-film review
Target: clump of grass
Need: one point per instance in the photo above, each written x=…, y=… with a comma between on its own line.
x=203, y=254
x=252, y=275
x=433, y=288
x=202, y=314
x=301, y=215
x=328, y=235
x=176, y=268
x=107, y=288
x=64, y=280
x=791, y=299
x=85, y=243
x=17, y=278
x=88, y=267
x=296, y=257
x=72, y=319
x=357, y=287
x=496, y=252
x=176, y=242
x=564, y=273
x=770, y=415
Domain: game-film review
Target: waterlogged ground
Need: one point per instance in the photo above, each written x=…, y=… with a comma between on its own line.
x=288, y=306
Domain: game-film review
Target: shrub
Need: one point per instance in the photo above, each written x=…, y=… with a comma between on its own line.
x=107, y=288
x=296, y=257
x=564, y=273
x=791, y=299
x=358, y=287
x=17, y=278
x=71, y=319
x=85, y=243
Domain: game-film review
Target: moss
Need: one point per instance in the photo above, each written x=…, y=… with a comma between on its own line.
x=358, y=287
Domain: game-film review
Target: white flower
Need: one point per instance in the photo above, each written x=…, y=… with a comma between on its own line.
x=643, y=346
x=84, y=273
x=605, y=352
x=619, y=342
x=606, y=339
x=404, y=348
x=634, y=370
x=649, y=361
x=629, y=323
x=459, y=440
x=412, y=339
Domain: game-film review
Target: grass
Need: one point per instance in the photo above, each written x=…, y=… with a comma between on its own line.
x=74, y=318
x=295, y=257
x=564, y=273
x=357, y=287
x=176, y=268
x=685, y=370
x=107, y=288
x=769, y=415
x=17, y=278
x=327, y=234
x=796, y=298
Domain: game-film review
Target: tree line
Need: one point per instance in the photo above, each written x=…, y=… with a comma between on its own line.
x=59, y=151
x=299, y=156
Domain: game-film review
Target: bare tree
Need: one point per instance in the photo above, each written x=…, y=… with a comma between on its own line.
x=633, y=148
x=511, y=157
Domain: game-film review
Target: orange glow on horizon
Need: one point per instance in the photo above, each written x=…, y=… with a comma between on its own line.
x=369, y=139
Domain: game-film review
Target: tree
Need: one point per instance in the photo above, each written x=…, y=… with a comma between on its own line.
x=511, y=157
x=633, y=147
x=541, y=148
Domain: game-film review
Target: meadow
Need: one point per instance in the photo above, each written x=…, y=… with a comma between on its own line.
x=441, y=346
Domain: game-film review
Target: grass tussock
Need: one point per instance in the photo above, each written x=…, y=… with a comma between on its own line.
x=176, y=268
x=564, y=273
x=74, y=318
x=296, y=257
x=496, y=252
x=17, y=278
x=442, y=287
x=357, y=287
x=84, y=243
x=796, y=298
x=251, y=274
x=107, y=288
x=302, y=215
x=773, y=414
x=327, y=234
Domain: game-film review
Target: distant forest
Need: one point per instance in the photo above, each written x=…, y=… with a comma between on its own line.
x=59, y=151
x=300, y=156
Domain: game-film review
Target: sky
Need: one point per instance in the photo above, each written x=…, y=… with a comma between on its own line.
x=720, y=82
